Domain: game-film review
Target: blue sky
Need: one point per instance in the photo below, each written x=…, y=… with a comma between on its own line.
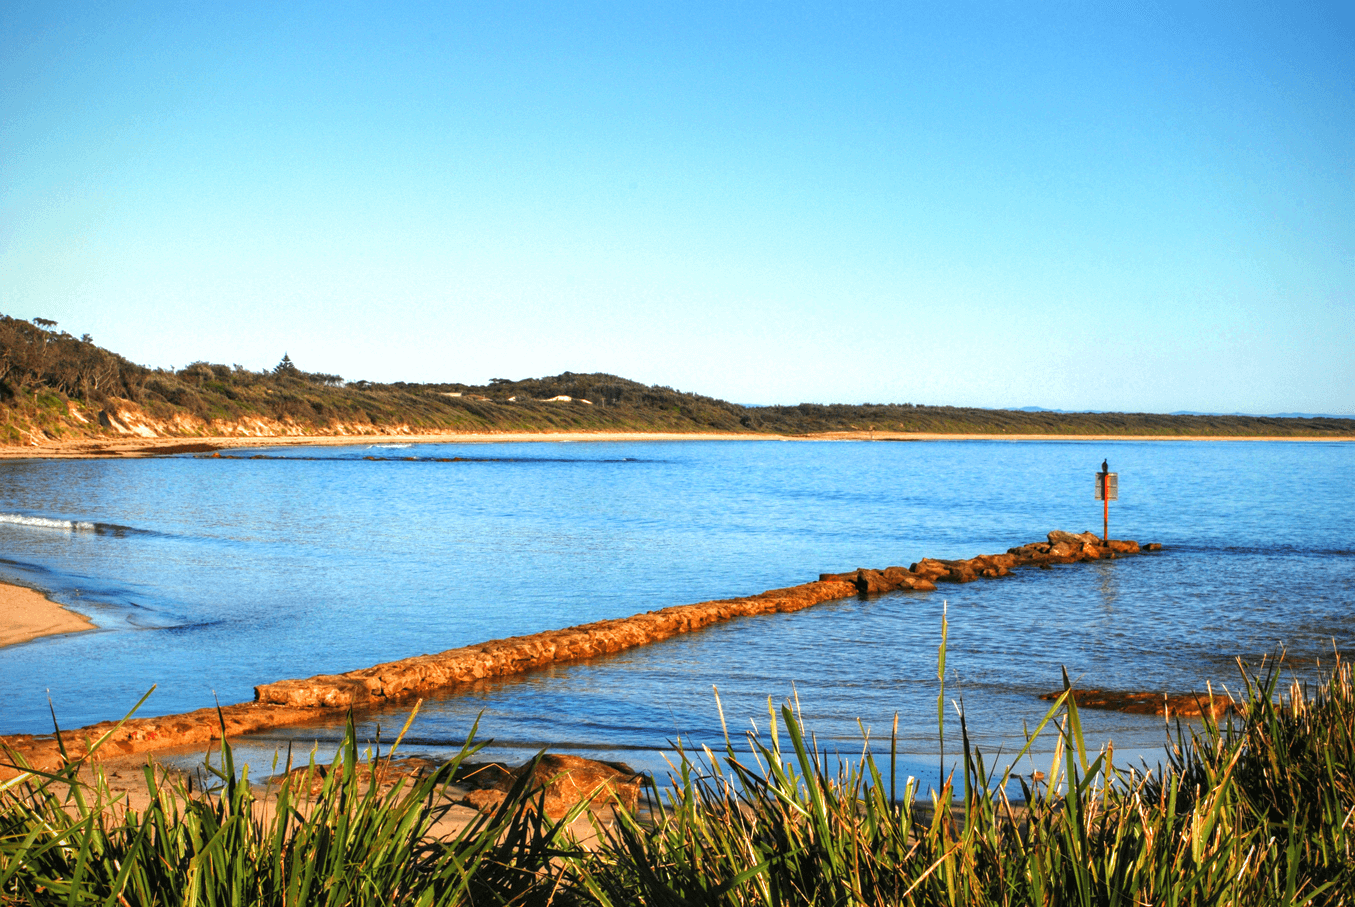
x=1079, y=206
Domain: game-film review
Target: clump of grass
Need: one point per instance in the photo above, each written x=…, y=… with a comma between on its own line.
x=66, y=841
x=1259, y=812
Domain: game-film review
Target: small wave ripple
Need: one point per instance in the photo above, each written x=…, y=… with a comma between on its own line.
x=43, y=522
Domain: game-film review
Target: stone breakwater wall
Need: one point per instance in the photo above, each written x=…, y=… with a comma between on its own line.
x=289, y=702
x=1062, y=548
x=518, y=654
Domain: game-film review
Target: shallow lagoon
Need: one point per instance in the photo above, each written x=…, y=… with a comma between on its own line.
x=209, y=575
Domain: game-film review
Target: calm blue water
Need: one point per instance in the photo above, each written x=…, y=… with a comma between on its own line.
x=208, y=576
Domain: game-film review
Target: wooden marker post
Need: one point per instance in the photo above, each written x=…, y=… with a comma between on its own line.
x=1107, y=490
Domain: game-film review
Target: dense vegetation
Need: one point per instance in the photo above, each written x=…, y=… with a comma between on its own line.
x=1254, y=812
x=54, y=385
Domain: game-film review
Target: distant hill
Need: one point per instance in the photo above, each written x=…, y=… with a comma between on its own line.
x=1186, y=412
x=54, y=386
x=1191, y=412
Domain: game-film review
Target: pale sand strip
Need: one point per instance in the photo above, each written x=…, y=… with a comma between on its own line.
x=87, y=448
x=25, y=615
x=84, y=448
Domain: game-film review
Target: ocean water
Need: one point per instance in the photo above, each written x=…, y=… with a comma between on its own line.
x=207, y=575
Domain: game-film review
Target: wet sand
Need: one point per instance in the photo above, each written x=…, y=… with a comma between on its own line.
x=26, y=614
x=132, y=447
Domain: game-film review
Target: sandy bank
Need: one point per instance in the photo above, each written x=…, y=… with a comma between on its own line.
x=25, y=615
x=88, y=448
x=115, y=447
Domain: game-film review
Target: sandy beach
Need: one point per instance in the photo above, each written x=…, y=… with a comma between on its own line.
x=132, y=447
x=26, y=614
x=88, y=448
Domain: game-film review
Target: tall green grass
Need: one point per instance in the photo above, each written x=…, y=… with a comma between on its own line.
x=68, y=841
x=1257, y=810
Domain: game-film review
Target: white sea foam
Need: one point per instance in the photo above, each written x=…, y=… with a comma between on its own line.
x=389, y=446
x=42, y=522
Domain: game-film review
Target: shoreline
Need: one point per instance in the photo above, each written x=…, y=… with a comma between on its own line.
x=137, y=447
x=26, y=614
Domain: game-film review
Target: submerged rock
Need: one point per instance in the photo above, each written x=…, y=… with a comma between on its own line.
x=1185, y=705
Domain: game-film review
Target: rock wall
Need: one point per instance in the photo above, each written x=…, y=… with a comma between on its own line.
x=515, y=655
x=144, y=735
x=518, y=654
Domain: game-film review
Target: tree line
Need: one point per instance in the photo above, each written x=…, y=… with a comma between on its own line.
x=44, y=372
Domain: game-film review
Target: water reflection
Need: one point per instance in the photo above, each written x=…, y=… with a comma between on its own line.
x=1107, y=585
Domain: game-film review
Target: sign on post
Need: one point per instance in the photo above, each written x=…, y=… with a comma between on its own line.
x=1107, y=490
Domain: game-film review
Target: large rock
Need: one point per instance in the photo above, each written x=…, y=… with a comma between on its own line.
x=958, y=572
x=565, y=780
x=890, y=579
x=906, y=579
x=929, y=569
x=309, y=780
x=897, y=575
x=326, y=691
x=1058, y=535
x=992, y=566
x=1027, y=555
x=872, y=582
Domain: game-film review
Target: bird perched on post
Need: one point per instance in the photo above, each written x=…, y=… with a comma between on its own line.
x=1104, y=467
